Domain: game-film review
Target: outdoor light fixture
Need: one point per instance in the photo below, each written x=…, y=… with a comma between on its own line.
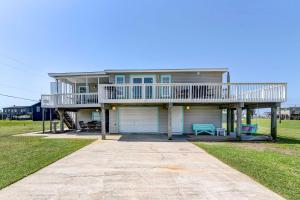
x=114, y=108
x=97, y=110
x=188, y=107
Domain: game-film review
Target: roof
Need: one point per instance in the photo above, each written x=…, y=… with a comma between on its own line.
x=168, y=70
x=17, y=107
x=105, y=72
x=98, y=73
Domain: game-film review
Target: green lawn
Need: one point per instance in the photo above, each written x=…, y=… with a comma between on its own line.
x=20, y=126
x=275, y=165
x=21, y=156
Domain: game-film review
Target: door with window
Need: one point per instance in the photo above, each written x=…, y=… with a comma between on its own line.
x=144, y=88
x=120, y=89
x=165, y=88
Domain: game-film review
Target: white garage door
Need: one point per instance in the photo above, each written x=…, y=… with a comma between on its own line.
x=138, y=120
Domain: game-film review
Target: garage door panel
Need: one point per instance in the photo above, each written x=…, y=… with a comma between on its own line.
x=138, y=119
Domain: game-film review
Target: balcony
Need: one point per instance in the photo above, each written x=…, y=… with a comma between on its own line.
x=172, y=93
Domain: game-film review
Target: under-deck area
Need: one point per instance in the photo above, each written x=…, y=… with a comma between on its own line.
x=169, y=119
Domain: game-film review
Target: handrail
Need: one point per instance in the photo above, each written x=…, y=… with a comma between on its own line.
x=173, y=92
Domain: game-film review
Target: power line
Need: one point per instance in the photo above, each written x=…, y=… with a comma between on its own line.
x=19, y=88
x=23, y=70
x=15, y=97
x=20, y=62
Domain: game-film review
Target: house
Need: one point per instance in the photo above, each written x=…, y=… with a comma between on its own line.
x=294, y=113
x=18, y=112
x=159, y=100
x=37, y=115
x=33, y=112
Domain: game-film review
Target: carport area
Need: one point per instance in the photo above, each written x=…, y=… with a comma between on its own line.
x=138, y=166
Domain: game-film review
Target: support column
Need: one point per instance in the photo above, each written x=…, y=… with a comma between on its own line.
x=229, y=121
x=61, y=117
x=103, y=123
x=274, y=122
x=248, y=116
x=43, y=118
x=232, y=120
x=238, y=122
x=170, y=105
x=50, y=118
x=76, y=120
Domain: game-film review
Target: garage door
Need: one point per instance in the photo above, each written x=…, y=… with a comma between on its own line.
x=138, y=120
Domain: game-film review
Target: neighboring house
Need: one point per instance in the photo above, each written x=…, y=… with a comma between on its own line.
x=158, y=101
x=37, y=115
x=18, y=112
x=33, y=112
x=294, y=113
x=284, y=113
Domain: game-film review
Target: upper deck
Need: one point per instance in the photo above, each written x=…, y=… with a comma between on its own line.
x=135, y=93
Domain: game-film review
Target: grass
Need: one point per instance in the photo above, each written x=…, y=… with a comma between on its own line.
x=12, y=127
x=275, y=165
x=21, y=156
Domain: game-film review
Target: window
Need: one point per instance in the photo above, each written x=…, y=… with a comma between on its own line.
x=38, y=109
x=119, y=79
x=165, y=79
x=96, y=116
x=83, y=89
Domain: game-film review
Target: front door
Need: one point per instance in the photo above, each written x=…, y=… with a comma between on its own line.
x=177, y=120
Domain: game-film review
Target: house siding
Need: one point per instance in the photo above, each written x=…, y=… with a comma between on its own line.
x=202, y=115
x=181, y=77
x=196, y=114
x=84, y=115
x=163, y=120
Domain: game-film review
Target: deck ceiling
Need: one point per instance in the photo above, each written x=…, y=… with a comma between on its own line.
x=87, y=79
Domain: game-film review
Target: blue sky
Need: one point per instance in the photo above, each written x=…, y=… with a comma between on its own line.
x=258, y=40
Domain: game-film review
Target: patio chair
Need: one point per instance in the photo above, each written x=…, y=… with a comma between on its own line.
x=83, y=126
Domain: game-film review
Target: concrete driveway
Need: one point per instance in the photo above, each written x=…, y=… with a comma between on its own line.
x=138, y=167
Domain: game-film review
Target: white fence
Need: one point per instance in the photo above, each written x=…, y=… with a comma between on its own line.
x=174, y=92
x=193, y=92
x=69, y=99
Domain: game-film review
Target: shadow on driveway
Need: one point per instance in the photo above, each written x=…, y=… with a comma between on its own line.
x=138, y=137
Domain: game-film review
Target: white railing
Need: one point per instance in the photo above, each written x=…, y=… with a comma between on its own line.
x=174, y=93
x=70, y=99
x=192, y=92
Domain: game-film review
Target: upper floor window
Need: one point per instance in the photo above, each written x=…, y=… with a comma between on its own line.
x=83, y=89
x=165, y=79
x=38, y=109
x=120, y=79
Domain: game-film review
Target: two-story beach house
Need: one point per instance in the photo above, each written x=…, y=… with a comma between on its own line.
x=158, y=101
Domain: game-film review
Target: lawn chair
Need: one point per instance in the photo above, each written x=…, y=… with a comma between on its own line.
x=249, y=128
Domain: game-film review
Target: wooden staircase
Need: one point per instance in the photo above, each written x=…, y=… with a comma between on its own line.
x=68, y=120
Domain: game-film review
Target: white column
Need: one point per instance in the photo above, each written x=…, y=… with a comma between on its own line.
x=103, y=123
x=170, y=105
